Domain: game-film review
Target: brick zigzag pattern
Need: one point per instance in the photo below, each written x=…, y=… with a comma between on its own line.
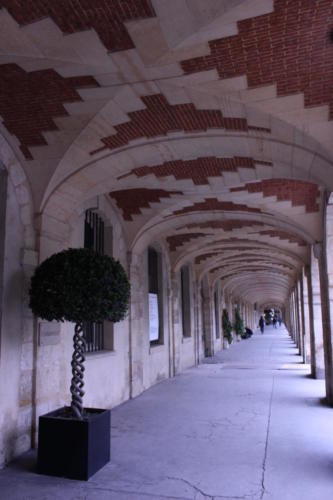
x=219, y=268
x=225, y=225
x=290, y=47
x=130, y=201
x=160, y=117
x=220, y=253
x=106, y=17
x=198, y=169
x=298, y=192
x=178, y=240
x=211, y=204
x=283, y=235
x=30, y=101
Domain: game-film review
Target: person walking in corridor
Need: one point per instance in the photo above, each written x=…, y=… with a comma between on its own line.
x=261, y=324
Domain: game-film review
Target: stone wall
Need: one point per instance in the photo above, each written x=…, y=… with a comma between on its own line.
x=16, y=350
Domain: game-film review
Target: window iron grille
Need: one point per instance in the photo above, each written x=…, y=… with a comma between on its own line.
x=94, y=240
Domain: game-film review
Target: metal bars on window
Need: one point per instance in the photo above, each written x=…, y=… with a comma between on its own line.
x=94, y=239
x=94, y=232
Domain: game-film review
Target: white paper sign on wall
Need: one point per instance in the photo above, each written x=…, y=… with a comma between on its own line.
x=153, y=317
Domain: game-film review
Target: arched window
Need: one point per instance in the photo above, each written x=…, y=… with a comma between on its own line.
x=185, y=300
x=155, y=297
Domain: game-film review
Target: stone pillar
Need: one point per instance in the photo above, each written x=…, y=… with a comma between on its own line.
x=306, y=317
x=230, y=309
x=218, y=313
x=136, y=325
x=327, y=270
x=318, y=361
x=301, y=310
x=309, y=299
x=27, y=394
x=287, y=318
x=208, y=321
x=297, y=319
x=292, y=317
x=176, y=322
x=197, y=322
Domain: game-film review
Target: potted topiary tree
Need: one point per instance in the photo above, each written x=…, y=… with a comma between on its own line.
x=227, y=328
x=77, y=285
x=238, y=325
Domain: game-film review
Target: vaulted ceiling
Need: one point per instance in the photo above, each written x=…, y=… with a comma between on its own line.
x=208, y=124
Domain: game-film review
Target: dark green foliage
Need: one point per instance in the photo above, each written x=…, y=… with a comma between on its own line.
x=226, y=326
x=79, y=285
x=239, y=323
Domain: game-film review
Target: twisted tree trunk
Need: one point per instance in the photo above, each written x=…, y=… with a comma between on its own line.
x=78, y=359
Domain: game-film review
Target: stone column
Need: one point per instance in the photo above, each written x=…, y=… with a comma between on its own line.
x=301, y=310
x=318, y=361
x=306, y=317
x=230, y=308
x=327, y=270
x=27, y=419
x=208, y=321
x=309, y=307
x=176, y=322
x=287, y=318
x=136, y=325
x=197, y=323
x=217, y=315
x=292, y=316
x=297, y=319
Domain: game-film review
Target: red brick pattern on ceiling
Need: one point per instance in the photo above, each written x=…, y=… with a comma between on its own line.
x=221, y=253
x=226, y=225
x=242, y=249
x=254, y=271
x=218, y=268
x=106, y=17
x=179, y=239
x=270, y=263
x=130, y=201
x=298, y=192
x=247, y=257
x=234, y=239
x=30, y=101
x=239, y=263
x=160, y=117
x=283, y=235
x=289, y=47
x=205, y=256
x=199, y=169
x=211, y=204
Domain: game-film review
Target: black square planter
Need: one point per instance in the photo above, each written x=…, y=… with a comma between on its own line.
x=68, y=447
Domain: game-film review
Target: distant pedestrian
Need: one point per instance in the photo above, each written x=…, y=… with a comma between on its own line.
x=275, y=321
x=262, y=324
x=280, y=319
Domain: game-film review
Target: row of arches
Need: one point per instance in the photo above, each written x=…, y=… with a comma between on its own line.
x=216, y=250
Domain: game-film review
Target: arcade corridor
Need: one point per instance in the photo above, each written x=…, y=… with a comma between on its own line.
x=248, y=425
x=191, y=141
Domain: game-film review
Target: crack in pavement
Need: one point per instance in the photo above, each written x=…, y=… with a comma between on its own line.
x=206, y=495
x=139, y=493
x=263, y=490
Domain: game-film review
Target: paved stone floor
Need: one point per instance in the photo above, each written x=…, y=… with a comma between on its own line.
x=247, y=425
